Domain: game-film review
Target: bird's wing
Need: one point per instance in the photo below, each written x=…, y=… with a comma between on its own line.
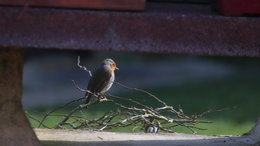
x=99, y=80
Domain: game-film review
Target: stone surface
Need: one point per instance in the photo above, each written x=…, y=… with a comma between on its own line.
x=14, y=126
x=255, y=132
x=81, y=137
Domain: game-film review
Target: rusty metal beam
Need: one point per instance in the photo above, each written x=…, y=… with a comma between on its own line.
x=171, y=28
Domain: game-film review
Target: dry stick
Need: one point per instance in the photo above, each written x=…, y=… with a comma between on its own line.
x=70, y=124
x=62, y=115
x=214, y=111
x=58, y=108
x=194, y=127
x=81, y=107
x=83, y=67
x=121, y=122
x=131, y=100
x=84, y=90
x=80, y=89
x=136, y=89
x=107, y=125
x=29, y=116
x=63, y=122
x=72, y=116
x=156, y=116
x=193, y=131
x=139, y=115
x=152, y=114
x=168, y=120
x=196, y=121
x=116, y=123
x=188, y=126
x=110, y=117
x=166, y=129
x=141, y=110
x=103, y=118
x=150, y=94
x=143, y=91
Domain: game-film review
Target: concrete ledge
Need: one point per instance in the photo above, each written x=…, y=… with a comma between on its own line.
x=171, y=28
x=14, y=125
x=81, y=137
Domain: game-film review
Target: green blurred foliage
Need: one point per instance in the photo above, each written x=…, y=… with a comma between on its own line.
x=242, y=93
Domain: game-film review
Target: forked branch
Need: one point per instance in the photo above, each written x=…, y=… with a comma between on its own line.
x=135, y=113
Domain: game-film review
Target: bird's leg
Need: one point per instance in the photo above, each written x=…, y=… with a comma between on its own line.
x=103, y=98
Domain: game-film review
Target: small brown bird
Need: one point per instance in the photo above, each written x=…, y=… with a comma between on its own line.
x=102, y=79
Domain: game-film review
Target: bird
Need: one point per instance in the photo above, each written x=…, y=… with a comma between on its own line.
x=102, y=79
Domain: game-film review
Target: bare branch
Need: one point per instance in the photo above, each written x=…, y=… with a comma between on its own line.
x=58, y=108
x=81, y=107
x=143, y=91
x=214, y=111
x=31, y=117
x=83, y=67
x=137, y=114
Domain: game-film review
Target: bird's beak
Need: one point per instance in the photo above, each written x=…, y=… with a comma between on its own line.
x=117, y=68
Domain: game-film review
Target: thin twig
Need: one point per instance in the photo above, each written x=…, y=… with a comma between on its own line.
x=81, y=107
x=214, y=111
x=31, y=117
x=58, y=108
x=143, y=91
x=83, y=67
x=165, y=117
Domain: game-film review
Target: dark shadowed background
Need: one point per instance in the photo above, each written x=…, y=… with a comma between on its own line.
x=193, y=83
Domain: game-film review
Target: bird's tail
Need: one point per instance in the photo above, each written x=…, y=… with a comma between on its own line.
x=88, y=97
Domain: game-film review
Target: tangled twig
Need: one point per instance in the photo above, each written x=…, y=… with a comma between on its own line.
x=83, y=67
x=136, y=114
